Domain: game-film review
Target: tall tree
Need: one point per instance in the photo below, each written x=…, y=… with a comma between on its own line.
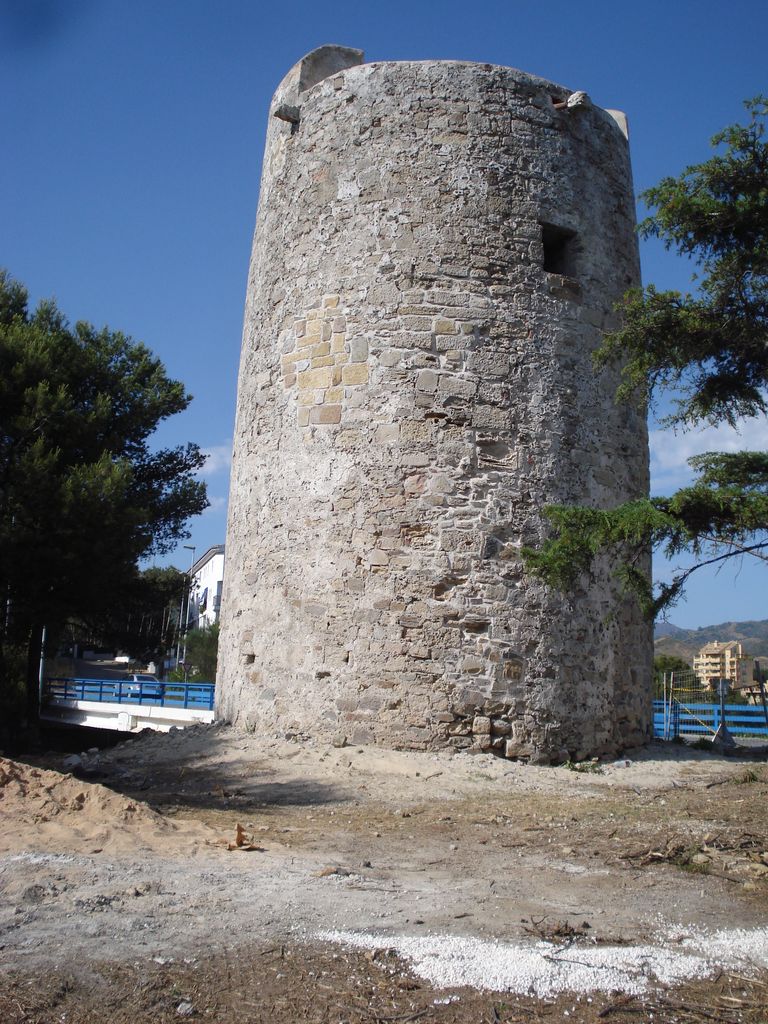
x=669, y=663
x=141, y=618
x=202, y=649
x=710, y=348
x=83, y=495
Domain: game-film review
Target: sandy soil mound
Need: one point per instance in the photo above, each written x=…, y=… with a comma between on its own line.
x=48, y=811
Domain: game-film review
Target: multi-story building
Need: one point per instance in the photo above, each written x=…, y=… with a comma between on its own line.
x=206, y=577
x=719, y=660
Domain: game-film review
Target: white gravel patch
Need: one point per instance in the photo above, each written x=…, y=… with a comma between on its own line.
x=545, y=969
x=42, y=858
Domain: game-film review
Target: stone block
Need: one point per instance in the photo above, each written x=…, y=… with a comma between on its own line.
x=320, y=377
x=451, y=385
x=416, y=323
x=324, y=414
x=416, y=431
x=442, y=325
x=377, y=557
x=418, y=652
x=358, y=350
x=481, y=725
x=354, y=373
x=390, y=357
x=387, y=433
x=447, y=344
x=460, y=729
x=289, y=360
x=427, y=380
x=517, y=748
x=490, y=417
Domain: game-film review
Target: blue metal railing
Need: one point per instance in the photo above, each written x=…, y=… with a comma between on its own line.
x=126, y=691
x=704, y=719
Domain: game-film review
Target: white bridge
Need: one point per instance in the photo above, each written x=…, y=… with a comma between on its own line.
x=126, y=706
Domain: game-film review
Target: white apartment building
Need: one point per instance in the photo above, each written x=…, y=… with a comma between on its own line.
x=206, y=576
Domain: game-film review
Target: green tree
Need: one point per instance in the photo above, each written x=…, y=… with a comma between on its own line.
x=83, y=496
x=142, y=615
x=711, y=349
x=669, y=663
x=202, y=648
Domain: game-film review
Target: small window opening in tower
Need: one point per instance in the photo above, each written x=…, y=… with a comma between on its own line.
x=560, y=250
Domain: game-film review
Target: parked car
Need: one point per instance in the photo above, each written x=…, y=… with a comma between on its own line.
x=142, y=684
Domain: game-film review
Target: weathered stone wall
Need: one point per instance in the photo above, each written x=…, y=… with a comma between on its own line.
x=414, y=386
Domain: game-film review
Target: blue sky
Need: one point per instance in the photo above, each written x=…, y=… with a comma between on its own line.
x=133, y=136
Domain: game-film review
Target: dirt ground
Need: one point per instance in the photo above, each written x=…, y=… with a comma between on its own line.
x=206, y=874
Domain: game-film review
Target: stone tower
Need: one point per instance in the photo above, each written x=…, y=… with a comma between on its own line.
x=438, y=247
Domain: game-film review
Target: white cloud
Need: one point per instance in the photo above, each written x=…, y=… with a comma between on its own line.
x=217, y=459
x=670, y=451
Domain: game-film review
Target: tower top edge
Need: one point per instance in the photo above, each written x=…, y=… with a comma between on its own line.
x=330, y=59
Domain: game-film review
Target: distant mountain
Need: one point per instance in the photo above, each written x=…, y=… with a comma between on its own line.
x=670, y=639
x=667, y=629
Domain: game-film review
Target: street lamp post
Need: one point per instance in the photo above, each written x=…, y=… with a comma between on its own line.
x=188, y=547
x=182, y=618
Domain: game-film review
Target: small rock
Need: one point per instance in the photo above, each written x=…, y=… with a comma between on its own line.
x=332, y=869
x=34, y=893
x=185, y=1009
x=73, y=761
x=339, y=740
